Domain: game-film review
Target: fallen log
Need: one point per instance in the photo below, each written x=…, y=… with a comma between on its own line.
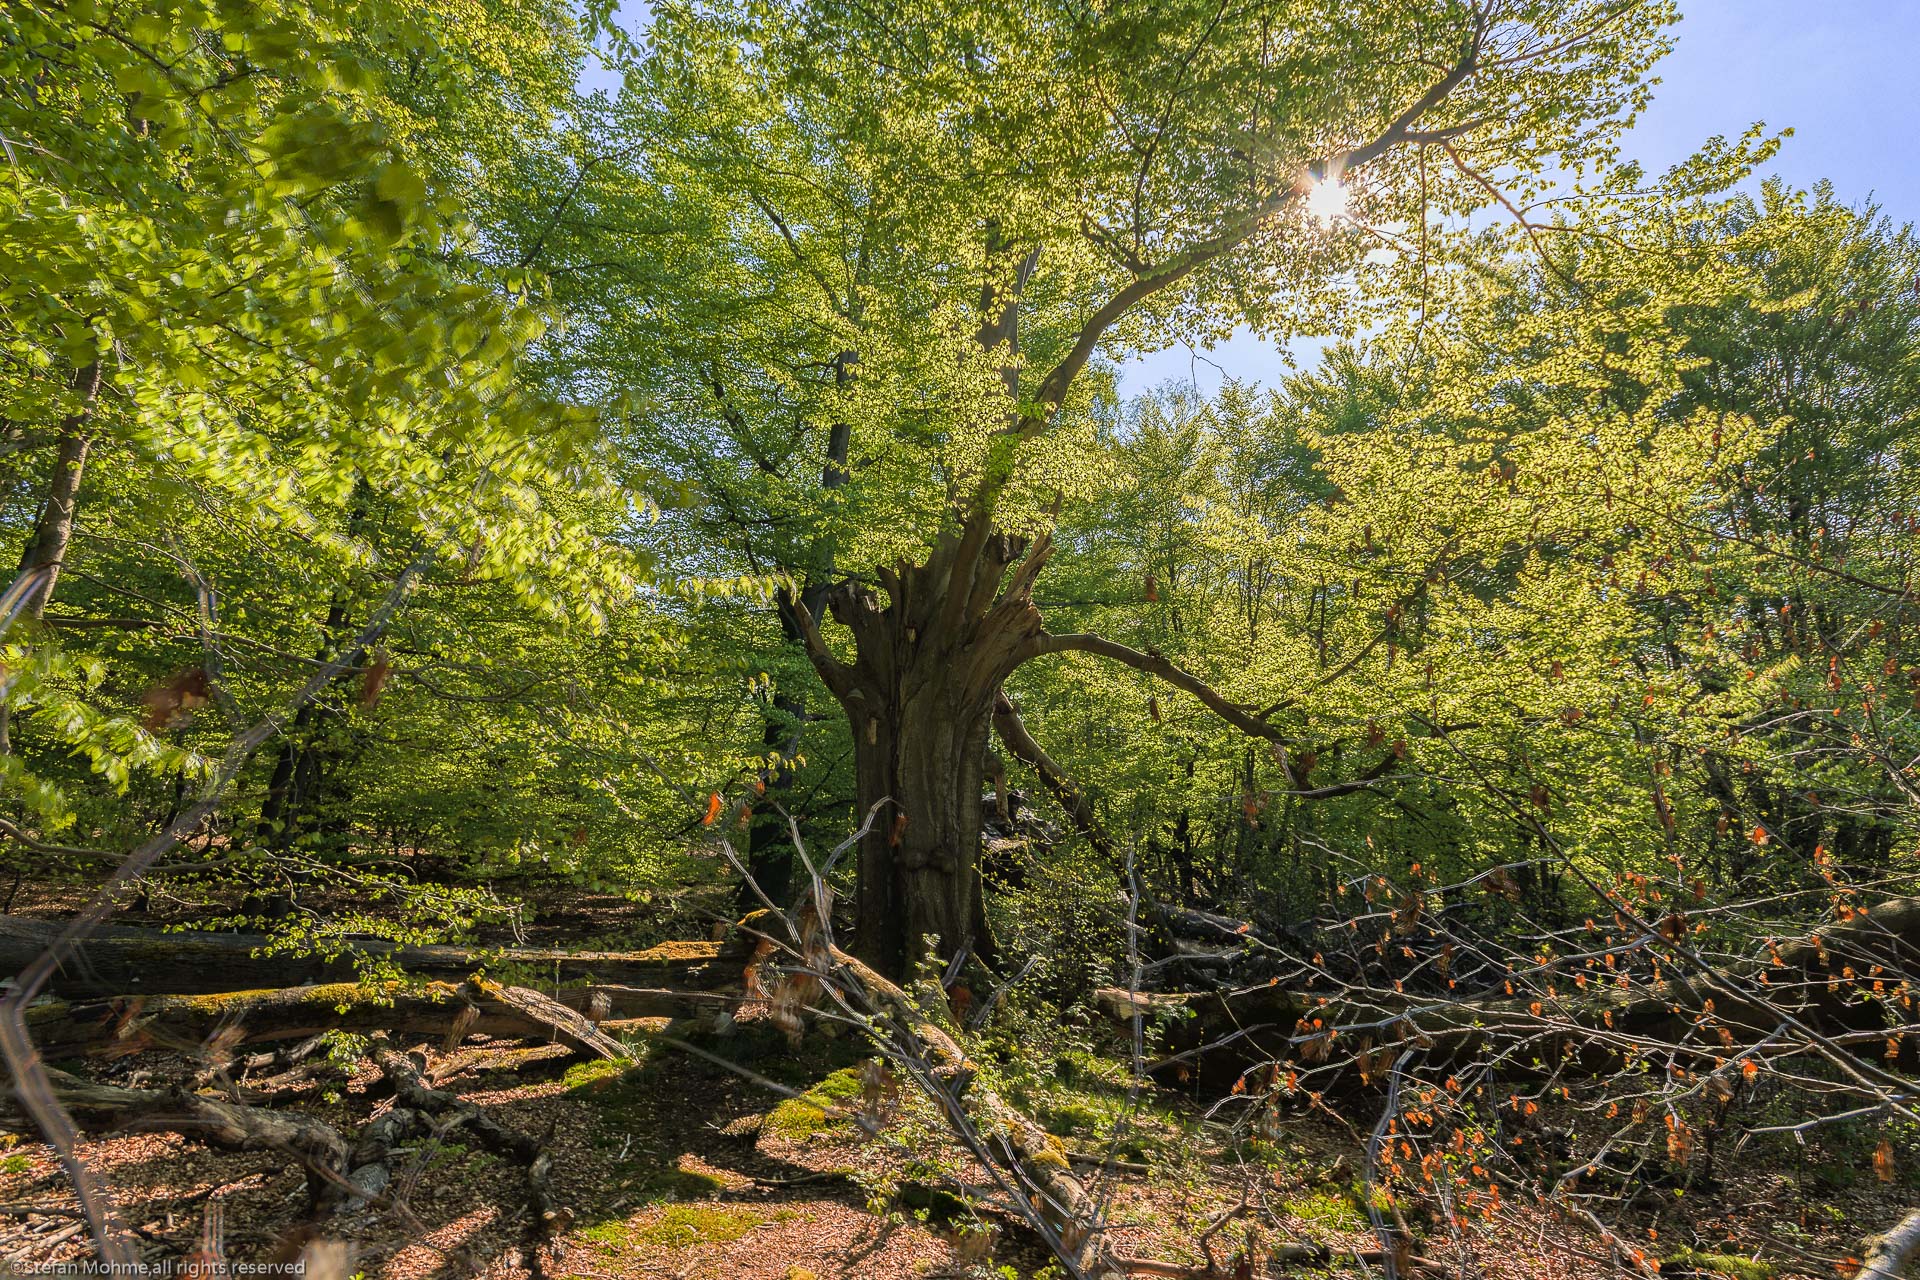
x=370, y=1163
x=1888, y=1253
x=1279, y=1259
x=507, y=1061
x=1205, y=926
x=575, y=1028
x=116, y=959
x=217, y=1024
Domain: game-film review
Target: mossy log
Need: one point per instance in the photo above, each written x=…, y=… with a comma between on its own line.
x=216, y=1025
x=114, y=960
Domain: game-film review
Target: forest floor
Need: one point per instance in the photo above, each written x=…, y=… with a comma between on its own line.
x=679, y=1167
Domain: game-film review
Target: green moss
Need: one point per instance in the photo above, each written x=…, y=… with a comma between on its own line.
x=598, y=1072
x=686, y=1224
x=1722, y=1264
x=1066, y=1117
x=1330, y=1210
x=327, y=995
x=818, y=1110
x=16, y=1164
x=609, y=1235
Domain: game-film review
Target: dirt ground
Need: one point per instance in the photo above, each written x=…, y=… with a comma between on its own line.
x=681, y=1168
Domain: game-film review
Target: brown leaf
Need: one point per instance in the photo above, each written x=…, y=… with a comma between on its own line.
x=172, y=699
x=374, y=679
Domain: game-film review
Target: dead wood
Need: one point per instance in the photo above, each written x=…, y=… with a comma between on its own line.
x=1816, y=979
x=512, y=1061
x=1280, y=1258
x=117, y=959
x=450, y=1111
x=1039, y=1158
x=1889, y=1253
x=571, y=1026
x=100, y=1108
x=217, y=1025
x=370, y=1163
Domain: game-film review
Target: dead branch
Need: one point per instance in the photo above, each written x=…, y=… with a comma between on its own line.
x=1889, y=1253
x=449, y=1110
x=99, y=1108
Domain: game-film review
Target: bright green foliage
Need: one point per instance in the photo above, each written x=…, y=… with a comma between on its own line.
x=244, y=306
x=1595, y=543
x=1546, y=569
x=822, y=199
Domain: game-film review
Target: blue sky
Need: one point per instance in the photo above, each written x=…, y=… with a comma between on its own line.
x=1843, y=74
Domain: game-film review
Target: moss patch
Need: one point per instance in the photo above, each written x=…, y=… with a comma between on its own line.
x=1721, y=1264
x=819, y=1110
x=595, y=1074
x=687, y=1224
x=680, y=1226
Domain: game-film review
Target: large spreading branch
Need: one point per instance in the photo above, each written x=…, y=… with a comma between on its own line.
x=1068, y=793
x=1238, y=714
x=1236, y=230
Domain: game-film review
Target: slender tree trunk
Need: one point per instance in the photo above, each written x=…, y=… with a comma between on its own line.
x=53, y=531
x=46, y=550
x=289, y=807
x=769, y=842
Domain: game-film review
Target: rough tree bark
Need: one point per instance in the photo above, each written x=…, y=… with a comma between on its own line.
x=919, y=698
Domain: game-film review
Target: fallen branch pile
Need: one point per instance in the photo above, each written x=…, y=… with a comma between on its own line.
x=1824, y=984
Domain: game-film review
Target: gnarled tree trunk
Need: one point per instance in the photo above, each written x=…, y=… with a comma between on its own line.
x=930, y=656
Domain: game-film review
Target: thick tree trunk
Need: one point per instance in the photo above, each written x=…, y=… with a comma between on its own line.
x=919, y=864
x=919, y=698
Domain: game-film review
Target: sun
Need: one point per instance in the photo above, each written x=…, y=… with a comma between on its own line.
x=1327, y=200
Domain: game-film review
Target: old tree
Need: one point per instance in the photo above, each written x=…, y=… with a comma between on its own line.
x=856, y=279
